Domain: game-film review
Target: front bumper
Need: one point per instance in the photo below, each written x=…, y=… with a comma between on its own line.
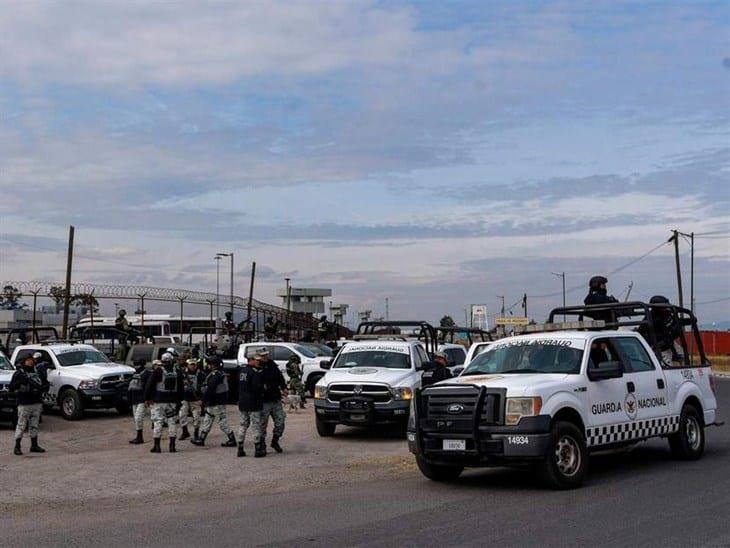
x=8, y=403
x=362, y=412
x=485, y=446
x=104, y=399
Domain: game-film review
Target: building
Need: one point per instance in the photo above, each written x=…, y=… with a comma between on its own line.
x=306, y=300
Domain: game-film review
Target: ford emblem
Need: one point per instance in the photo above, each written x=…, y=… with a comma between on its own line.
x=455, y=409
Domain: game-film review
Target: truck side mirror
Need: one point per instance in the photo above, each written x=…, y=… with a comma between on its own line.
x=326, y=364
x=607, y=370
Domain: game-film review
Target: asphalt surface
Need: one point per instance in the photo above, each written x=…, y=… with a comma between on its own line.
x=637, y=498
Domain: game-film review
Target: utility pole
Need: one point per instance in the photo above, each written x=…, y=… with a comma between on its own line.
x=217, y=259
x=561, y=275
x=631, y=286
x=675, y=237
x=502, y=309
x=692, y=273
x=524, y=303
x=231, y=255
x=250, y=291
x=387, y=309
x=288, y=302
x=67, y=295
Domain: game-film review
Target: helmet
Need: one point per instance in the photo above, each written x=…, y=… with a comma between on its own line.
x=214, y=361
x=167, y=357
x=157, y=362
x=192, y=361
x=229, y=314
x=597, y=281
x=441, y=356
x=172, y=352
x=295, y=358
x=37, y=355
x=659, y=299
x=122, y=312
x=262, y=354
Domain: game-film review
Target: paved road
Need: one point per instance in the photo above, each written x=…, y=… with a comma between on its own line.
x=641, y=498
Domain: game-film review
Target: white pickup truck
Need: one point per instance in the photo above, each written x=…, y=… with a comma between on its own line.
x=551, y=398
x=80, y=377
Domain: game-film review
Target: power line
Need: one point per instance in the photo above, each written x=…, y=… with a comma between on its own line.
x=714, y=301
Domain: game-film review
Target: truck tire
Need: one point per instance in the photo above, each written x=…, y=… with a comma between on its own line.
x=123, y=408
x=325, y=429
x=438, y=472
x=566, y=461
x=311, y=381
x=689, y=442
x=70, y=404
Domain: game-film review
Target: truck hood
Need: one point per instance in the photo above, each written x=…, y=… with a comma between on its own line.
x=96, y=370
x=5, y=376
x=517, y=384
x=385, y=375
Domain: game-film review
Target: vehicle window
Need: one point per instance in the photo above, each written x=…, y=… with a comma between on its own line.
x=282, y=353
x=456, y=356
x=637, y=358
x=526, y=357
x=142, y=353
x=602, y=351
x=305, y=351
x=417, y=357
x=372, y=358
x=5, y=364
x=422, y=353
x=79, y=357
x=251, y=350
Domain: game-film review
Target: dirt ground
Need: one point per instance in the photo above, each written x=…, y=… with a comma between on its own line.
x=90, y=464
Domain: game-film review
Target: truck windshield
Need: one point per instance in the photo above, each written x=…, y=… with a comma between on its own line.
x=372, y=358
x=305, y=351
x=5, y=364
x=527, y=356
x=79, y=357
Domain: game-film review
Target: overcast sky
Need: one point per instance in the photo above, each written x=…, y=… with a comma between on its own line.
x=436, y=153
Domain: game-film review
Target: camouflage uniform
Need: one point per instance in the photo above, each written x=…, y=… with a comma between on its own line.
x=275, y=409
x=213, y=412
x=215, y=398
x=28, y=417
x=29, y=385
x=139, y=412
x=161, y=413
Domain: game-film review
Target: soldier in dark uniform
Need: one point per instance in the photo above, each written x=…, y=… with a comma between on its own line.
x=250, y=404
x=164, y=392
x=215, y=398
x=439, y=373
x=193, y=379
x=274, y=389
x=29, y=387
x=598, y=294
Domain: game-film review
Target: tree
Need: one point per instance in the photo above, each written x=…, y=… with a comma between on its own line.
x=447, y=321
x=10, y=299
x=58, y=296
x=86, y=301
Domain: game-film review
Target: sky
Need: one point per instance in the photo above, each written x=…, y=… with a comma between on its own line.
x=438, y=154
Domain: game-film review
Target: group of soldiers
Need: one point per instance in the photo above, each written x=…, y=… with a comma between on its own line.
x=173, y=394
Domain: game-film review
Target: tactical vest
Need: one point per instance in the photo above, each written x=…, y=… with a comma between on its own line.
x=135, y=385
x=168, y=383
x=223, y=385
x=33, y=384
x=191, y=382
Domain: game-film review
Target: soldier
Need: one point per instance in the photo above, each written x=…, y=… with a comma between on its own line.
x=274, y=389
x=193, y=380
x=296, y=386
x=229, y=326
x=215, y=398
x=323, y=328
x=137, y=385
x=598, y=294
x=250, y=404
x=271, y=328
x=164, y=392
x=438, y=373
x=29, y=386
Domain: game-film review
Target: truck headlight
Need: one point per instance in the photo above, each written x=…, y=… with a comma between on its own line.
x=521, y=407
x=320, y=392
x=403, y=393
x=88, y=385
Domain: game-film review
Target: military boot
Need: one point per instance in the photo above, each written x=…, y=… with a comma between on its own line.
x=275, y=444
x=260, y=450
x=34, y=447
x=196, y=433
x=172, y=446
x=156, y=447
x=241, y=452
x=231, y=441
x=17, y=450
x=138, y=440
x=199, y=441
x=185, y=433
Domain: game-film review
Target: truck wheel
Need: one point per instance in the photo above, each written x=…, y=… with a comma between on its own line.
x=123, y=408
x=438, y=472
x=567, y=458
x=325, y=429
x=70, y=403
x=689, y=442
x=311, y=381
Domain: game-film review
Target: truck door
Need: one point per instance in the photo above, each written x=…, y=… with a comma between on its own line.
x=604, y=399
x=650, y=390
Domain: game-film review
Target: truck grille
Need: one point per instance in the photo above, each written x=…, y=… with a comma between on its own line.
x=459, y=403
x=379, y=393
x=111, y=382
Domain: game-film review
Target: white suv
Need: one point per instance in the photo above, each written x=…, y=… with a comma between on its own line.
x=80, y=378
x=369, y=383
x=312, y=369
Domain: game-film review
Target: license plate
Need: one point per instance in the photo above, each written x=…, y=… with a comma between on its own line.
x=357, y=418
x=454, y=445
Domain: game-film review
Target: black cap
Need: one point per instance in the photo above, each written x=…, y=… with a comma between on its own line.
x=659, y=299
x=597, y=281
x=214, y=361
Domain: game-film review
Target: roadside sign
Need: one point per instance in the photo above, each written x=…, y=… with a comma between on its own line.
x=512, y=320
